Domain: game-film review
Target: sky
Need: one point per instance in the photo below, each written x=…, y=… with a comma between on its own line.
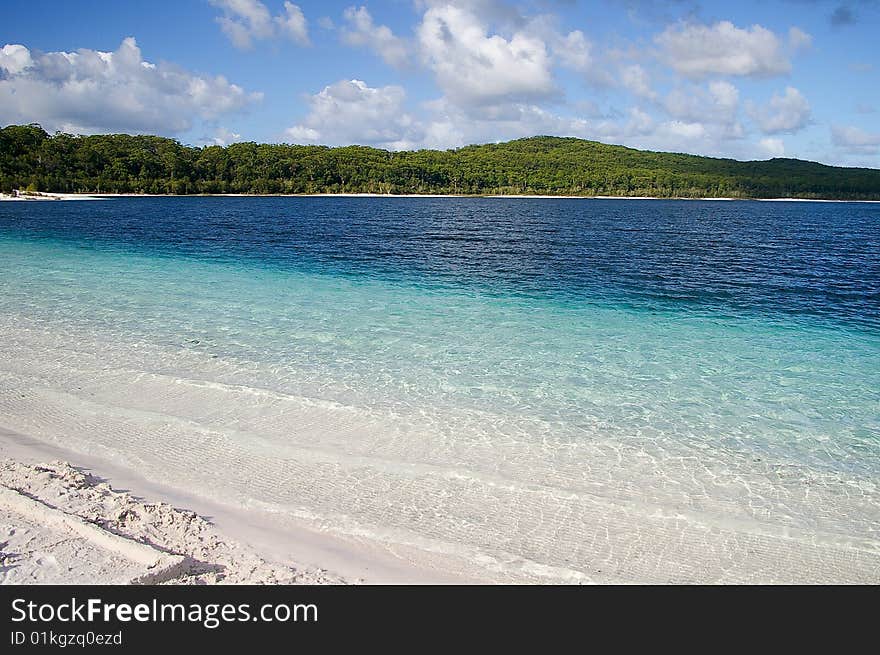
x=748, y=80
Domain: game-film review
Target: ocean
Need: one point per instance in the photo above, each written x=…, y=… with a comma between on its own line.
x=553, y=390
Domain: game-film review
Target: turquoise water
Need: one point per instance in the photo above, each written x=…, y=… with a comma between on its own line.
x=375, y=358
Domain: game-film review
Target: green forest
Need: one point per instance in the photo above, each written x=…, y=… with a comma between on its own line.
x=31, y=159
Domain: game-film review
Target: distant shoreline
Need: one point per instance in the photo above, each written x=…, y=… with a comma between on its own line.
x=37, y=196
x=44, y=196
x=560, y=167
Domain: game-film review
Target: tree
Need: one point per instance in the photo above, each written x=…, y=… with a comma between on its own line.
x=543, y=165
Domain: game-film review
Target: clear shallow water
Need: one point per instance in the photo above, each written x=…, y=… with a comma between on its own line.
x=503, y=376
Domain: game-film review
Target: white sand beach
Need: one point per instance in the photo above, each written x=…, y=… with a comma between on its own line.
x=37, y=196
x=61, y=525
x=31, y=196
x=221, y=542
x=47, y=504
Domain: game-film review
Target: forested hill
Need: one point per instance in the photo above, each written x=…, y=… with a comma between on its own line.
x=32, y=159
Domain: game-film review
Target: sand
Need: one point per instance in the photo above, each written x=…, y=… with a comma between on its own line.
x=38, y=196
x=246, y=537
x=60, y=525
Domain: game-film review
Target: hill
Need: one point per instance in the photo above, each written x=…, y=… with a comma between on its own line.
x=120, y=163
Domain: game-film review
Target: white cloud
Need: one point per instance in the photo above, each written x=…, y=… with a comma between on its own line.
x=635, y=79
x=293, y=24
x=725, y=95
x=221, y=137
x=573, y=50
x=686, y=131
x=95, y=91
x=495, y=70
x=855, y=140
x=798, y=39
x=716, y=105
x=450, y=126
x=474, y=67
x=246, y=21
x=349, y=112
x=14, y=58
x=640, y=123
x=303, y=134
x=362, y=31
x=785, y=113
x=352, y=112
x=772, y=146
x=696, y=50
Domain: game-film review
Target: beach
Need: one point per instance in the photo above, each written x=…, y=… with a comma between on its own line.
x=333, y=387
x=60, y=524
x=35, y=196
x=225, y=544
x=38, y=196
x=218, y=543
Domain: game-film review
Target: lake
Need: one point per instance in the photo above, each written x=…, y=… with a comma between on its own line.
x=559, y=390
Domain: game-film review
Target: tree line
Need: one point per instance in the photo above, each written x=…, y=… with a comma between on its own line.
x=31, y=159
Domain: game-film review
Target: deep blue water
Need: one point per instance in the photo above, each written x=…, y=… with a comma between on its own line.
x=792, y=259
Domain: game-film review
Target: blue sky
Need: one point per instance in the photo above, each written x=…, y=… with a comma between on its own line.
x=750, y=80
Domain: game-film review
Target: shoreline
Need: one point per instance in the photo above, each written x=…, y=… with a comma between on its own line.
x=268, y=436
x=83, y=419
x=40, y=196
x=283, y=543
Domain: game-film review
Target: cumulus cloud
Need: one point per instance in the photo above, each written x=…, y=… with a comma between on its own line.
x=221, y=137
x=725, y=95
x=573, y=50
x=788, y=112
x=362, y=31
x=449, y=126
x=716, y=104
x=246, y=21
x=855, y=140
x=474, y=67
x=772, y=146
x=635, y=79
x=292, y=24
x=495, y=68
x=93, y=91
x=639, y=129
x=349, y=111
x=697, y=50
x=14, y=58
x=634, y=127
